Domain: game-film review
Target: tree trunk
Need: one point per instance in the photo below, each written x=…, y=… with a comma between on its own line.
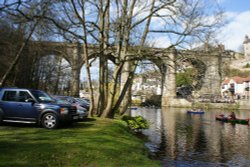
x=108, y=110
x=125, y=95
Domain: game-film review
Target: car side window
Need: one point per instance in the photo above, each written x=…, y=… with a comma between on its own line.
x=9, y=96
x=24, y=96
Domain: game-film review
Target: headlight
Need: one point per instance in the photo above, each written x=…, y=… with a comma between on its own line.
x=64, y=110
x=80, y=111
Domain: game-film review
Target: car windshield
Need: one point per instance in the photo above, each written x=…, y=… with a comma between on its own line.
x=66, y=98
x=60, y=101
x=82, y=101
x=42, y=97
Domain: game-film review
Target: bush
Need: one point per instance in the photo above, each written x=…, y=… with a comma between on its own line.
x=246, y=66
x=136, y=123
x=154, y=100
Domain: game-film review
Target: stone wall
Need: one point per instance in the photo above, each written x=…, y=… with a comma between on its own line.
x=183, y=103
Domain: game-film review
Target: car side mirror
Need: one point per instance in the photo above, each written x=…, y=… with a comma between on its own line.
x=30, y=100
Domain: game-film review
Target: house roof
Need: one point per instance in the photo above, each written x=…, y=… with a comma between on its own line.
x=237, y=79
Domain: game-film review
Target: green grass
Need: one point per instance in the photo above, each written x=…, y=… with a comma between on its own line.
x=93, y=143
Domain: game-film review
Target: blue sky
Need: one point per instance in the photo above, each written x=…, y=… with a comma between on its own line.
x=235, y=5
x=238, y=16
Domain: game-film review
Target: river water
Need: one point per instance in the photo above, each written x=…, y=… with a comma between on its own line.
x=179, y=139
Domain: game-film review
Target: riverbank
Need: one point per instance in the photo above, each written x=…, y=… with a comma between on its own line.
x=238, y=105
x=183, y=103
x=95, y=142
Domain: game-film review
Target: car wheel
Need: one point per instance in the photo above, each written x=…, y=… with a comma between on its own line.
x=50, y=121
x=1, y=119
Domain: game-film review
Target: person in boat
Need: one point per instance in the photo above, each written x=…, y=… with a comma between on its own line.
x=198, y=110
x=232, y=116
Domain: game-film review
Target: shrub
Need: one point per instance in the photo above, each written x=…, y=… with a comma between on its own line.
x=154, y=100
x=246, y=66
x=136, y=123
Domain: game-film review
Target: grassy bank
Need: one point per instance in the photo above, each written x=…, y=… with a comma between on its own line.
x=96, y=143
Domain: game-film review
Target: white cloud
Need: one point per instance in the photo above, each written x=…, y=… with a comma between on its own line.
x=232, y=35
x=160, y=42
x=221, y=1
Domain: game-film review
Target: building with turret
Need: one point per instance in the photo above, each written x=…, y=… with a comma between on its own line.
x=246, y=45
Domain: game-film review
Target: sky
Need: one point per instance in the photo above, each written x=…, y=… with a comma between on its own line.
x=238, y=16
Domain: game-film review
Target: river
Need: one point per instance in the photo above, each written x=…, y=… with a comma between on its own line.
x=179, y=139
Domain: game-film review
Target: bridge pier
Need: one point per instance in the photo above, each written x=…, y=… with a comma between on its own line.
x=75, y=81
x=212, y=79
x=126, y=75
x=76, y=64
x=169, y=79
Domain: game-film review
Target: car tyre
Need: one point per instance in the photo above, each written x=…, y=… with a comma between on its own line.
x=50, y=121
x=1, y=119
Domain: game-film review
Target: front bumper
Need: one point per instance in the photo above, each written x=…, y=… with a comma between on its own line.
x=70, y=118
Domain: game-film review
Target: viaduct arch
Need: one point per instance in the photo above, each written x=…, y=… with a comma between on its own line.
x=166, y=60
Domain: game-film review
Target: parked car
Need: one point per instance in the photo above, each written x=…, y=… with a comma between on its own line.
x=73, y=100
x=83, y=112
x=34, y=106
x=83, y=102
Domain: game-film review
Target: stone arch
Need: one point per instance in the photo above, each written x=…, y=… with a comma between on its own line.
x=54, y=53
x=198, y=74
x=110, y=57
x=49, y=65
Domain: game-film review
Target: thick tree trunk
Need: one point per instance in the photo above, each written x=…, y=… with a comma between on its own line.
x=103, y=66
x=126, y=95
x=124, y=77
x=108, y=112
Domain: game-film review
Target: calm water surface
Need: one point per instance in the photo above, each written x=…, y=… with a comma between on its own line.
x=183, y=140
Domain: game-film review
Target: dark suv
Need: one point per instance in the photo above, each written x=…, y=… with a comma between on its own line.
x=34, y=106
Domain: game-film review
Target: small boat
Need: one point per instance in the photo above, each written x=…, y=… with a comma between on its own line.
x=132, y=108
x=222, y=118
x=195, y=112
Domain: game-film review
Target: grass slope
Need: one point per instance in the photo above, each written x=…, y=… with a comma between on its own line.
x=93, y=143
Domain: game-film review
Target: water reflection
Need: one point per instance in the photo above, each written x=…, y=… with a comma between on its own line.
x=182, y=139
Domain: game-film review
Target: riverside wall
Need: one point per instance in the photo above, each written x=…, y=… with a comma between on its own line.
x=240, y=104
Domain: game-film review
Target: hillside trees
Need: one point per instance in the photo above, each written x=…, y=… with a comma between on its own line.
x=21, y=13
x=9, y=43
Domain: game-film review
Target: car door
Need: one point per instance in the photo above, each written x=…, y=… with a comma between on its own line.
x=9, y=104
x=26, y=108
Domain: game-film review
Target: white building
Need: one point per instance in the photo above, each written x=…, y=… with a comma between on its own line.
x=146, y=85
x=236, y=86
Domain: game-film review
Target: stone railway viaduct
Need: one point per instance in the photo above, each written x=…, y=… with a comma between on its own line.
x=209, y=63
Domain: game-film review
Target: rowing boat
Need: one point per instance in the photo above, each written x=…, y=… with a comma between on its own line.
x=222, y=118
x=195, y=112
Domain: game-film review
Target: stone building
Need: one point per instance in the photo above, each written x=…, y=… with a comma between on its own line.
x=246, y=45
